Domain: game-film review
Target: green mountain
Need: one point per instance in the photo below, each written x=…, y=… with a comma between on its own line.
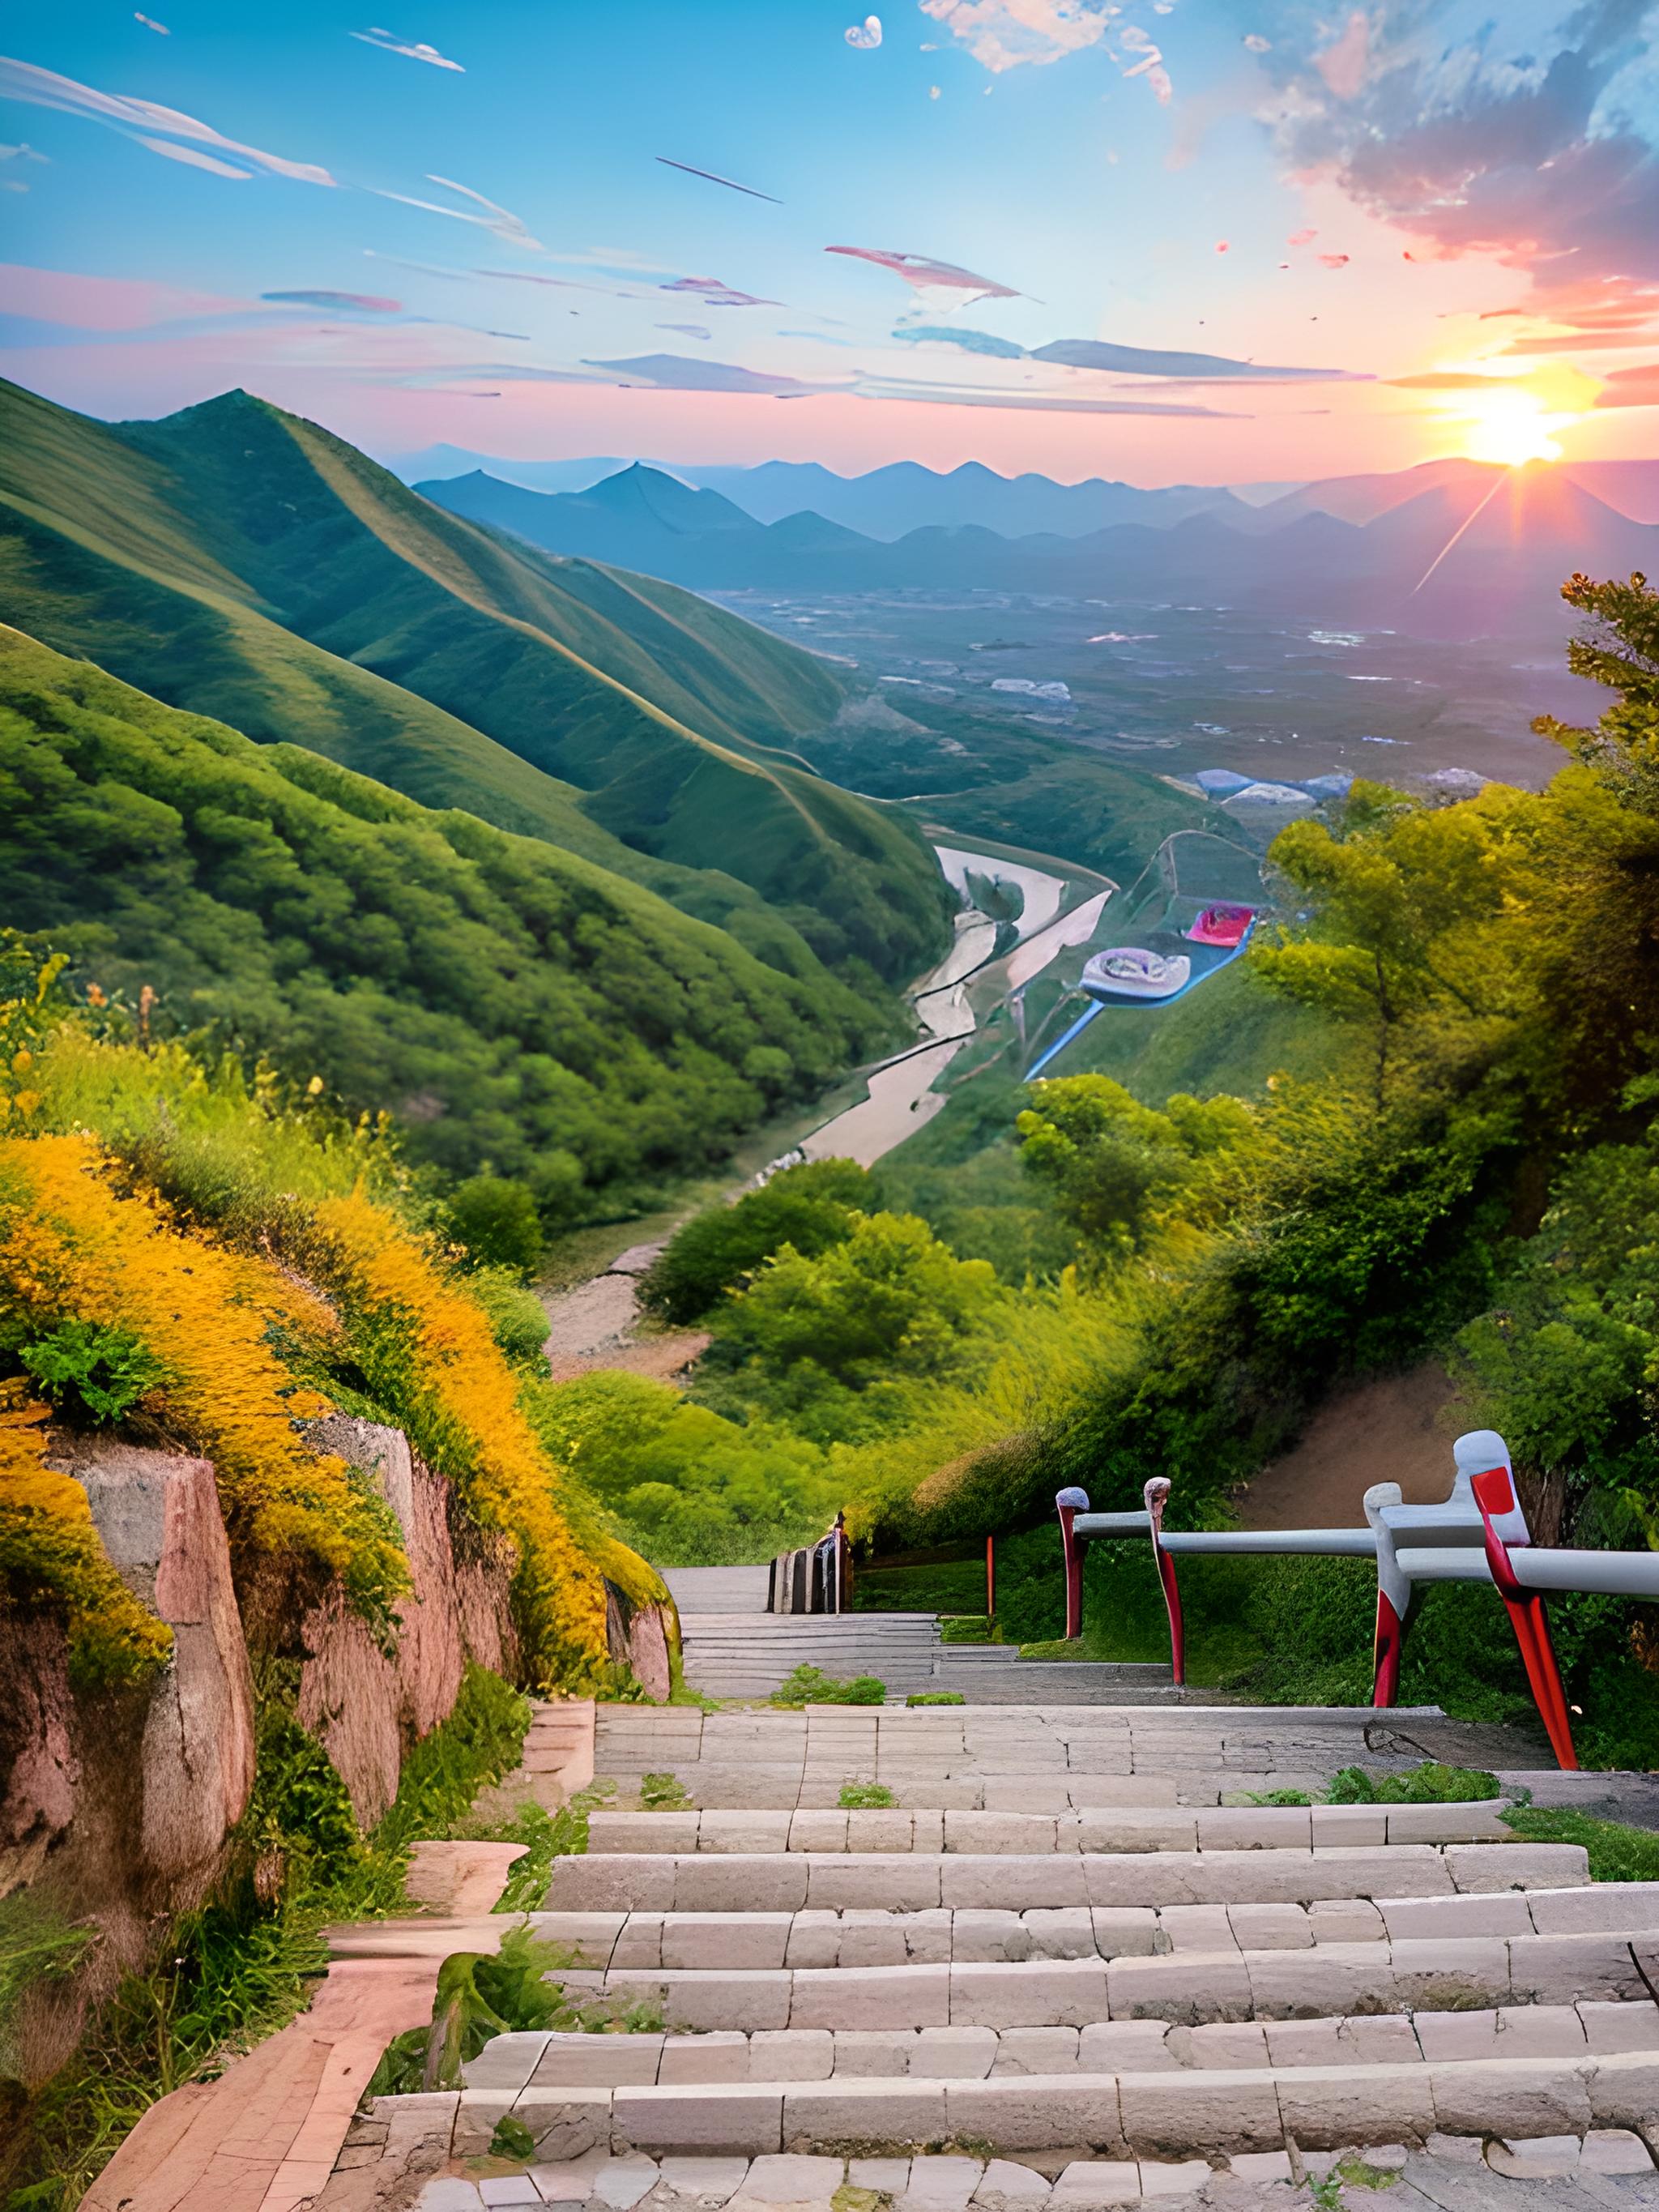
x=239, y=563
x=512, y=1003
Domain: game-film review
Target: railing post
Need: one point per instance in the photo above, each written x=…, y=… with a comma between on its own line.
x=1157, y=1495
x=1070, y=1504
x=1502, y=1524
x=1394, y=1599
x=990, y=1577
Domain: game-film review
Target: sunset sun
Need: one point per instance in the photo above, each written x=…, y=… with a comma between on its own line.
x=1512, y=429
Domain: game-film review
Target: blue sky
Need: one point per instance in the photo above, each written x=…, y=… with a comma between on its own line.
x=1482, y=202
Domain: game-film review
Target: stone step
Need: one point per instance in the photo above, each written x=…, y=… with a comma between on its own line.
x=1452, y=2170
x=1554, y=1938
x=1191, y=1988
x=790, y=1881
x=1125, y=1829
x=578, y=2061
x=730, y=1785
x=1165, y=2114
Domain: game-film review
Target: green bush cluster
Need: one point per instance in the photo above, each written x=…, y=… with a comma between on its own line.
x=810, y=1686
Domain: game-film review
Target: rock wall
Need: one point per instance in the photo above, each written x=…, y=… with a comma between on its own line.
x=366, y=1705
x=641, y=1637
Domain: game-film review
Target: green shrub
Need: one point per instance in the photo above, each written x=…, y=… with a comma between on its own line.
x=936, y=1698
x=969, y=1628
x=497, y=1221
x=91, y=1373
x=1431, y=1783
x=546, y=1837
x=518, y=1319
x=1617, y=1852
x=864, y=1796
x=810, y=1686
x=480, y=1996
x=809, y=1207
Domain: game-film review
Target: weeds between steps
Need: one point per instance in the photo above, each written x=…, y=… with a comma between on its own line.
x=240, y=1968
x=810, y=1686
x=864, y=1796
x=482, y=1994
x=1431, y=1783
x=1617, y=1852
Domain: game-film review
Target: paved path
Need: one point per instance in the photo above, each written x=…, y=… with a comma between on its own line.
x=1071, y=1966
x=264, y=2136
x=729, y=1590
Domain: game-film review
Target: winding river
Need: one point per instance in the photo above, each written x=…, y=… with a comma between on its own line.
x=901, y=1098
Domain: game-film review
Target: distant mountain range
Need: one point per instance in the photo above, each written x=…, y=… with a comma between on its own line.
x=1453, y=550
x=888, y=503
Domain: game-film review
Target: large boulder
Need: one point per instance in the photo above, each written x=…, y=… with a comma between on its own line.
x=158, y=1518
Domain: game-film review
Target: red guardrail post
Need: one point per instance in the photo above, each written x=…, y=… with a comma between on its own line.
x=1070, y=1504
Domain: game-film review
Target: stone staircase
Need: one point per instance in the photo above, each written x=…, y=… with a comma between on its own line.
x=749, y=1654
x=1068, y=1969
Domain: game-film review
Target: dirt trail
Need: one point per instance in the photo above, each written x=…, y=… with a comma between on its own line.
x=1398, y=1430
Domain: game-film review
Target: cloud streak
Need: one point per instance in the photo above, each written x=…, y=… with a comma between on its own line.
x=497, y=220
x=923, y=274
x=138, y=119
x=413, y=49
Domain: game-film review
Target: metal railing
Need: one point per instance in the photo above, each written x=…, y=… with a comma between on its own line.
x=1477, y=1535
x=816, y=1578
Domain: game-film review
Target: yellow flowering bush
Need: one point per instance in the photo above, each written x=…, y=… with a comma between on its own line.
x=73, y=1245
x=426, y=1348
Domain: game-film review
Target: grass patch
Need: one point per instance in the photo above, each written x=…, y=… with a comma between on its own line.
x=1431, y=1783
x=969, y=1628
x=236, y=1971
x=864, y=1796
x=546, y=1837
x=936, y=1698
x=810, y=1686
x=663, y=1793
x=1617, y=1851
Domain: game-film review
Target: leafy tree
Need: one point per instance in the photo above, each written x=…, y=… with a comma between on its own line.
x=1117, y=1169
x=495, y=1220
x=809, y=1207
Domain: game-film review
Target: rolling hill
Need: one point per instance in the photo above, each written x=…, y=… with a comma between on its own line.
x=517, y=1007
x=240, y=562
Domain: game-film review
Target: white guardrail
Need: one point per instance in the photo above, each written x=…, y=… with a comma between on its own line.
x=1477, y=1534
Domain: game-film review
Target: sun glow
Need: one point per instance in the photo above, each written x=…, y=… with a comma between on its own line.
x=1512, y=429
x=1514, y=421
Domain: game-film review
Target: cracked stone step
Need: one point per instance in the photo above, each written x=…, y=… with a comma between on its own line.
x=1121, y=1829
x=788, y=1881
x=543, y=2061
x=1169, y=2114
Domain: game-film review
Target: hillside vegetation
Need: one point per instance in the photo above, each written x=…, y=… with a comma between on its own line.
x=1439, y=1143
x=512, y=1003
x=239, y=563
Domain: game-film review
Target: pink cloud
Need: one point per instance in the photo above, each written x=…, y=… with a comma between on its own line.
x=103, y=303
x=1342, y=63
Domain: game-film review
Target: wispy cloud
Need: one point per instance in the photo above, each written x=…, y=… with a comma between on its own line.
x=150, y=24
x=135, y=119
x=17, y=153
x=673, y=372
x=362, y=303
x=925, y=275
x=712, y=292
x=194, y=158
x=498, y=220
x=1097, y=354
x=1005, y=34
x=414, y=49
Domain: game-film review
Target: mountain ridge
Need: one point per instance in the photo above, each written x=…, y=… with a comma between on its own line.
x=235, y=560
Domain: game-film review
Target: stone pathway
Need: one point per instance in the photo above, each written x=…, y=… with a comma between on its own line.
x=1068, y=1969
x=264, y=2136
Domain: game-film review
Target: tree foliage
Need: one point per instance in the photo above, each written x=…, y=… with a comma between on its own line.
x=809, y=1207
